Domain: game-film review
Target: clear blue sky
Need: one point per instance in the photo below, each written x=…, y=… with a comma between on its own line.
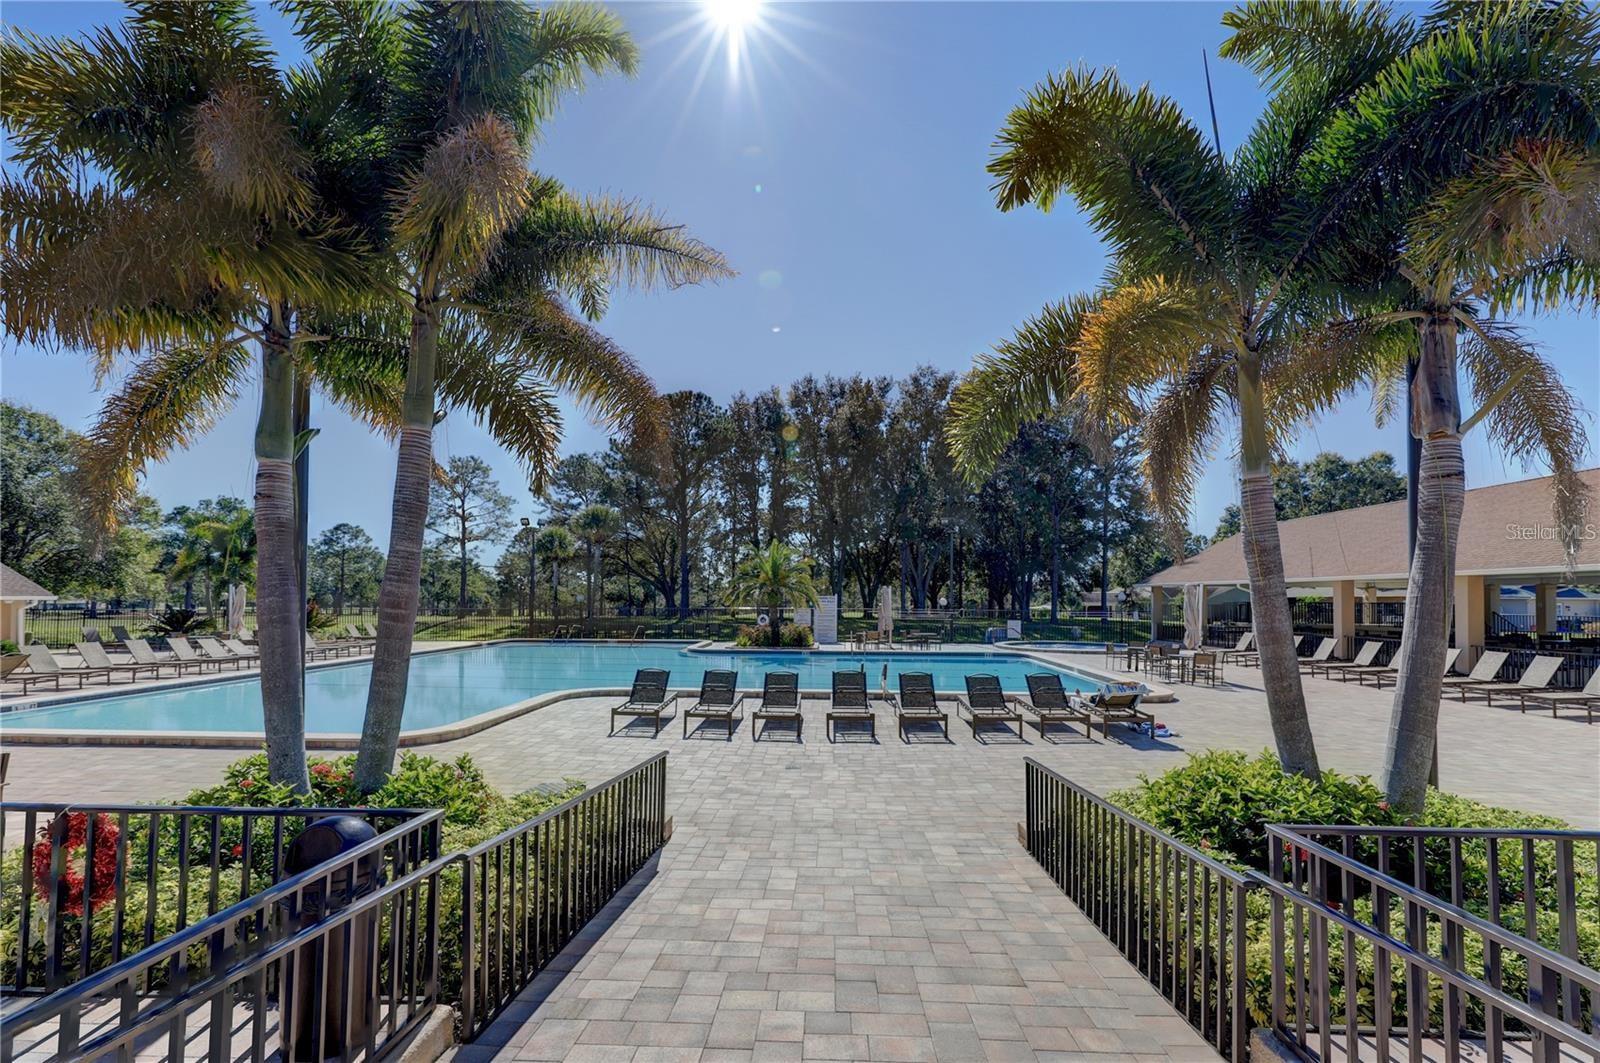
x=842, y=173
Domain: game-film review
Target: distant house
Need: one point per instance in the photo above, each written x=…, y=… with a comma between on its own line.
x=17, y=592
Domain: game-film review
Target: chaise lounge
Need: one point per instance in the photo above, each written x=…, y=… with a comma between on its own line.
x=850, y=702
x=648, y=698
x=1587, y=699
x=986, y=702
x=718, y=700
x=1049, y=703
x=1535, y=677
x=919, y=703
x=1118, y=706
x=780, y=700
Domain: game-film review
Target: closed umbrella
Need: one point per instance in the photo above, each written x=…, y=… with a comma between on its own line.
x=235, y=611
x=1193, y=616
x=886, y=614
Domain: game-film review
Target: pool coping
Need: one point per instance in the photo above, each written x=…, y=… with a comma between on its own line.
x=428, y=735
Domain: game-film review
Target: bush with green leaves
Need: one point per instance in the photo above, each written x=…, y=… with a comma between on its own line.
x=791, y=636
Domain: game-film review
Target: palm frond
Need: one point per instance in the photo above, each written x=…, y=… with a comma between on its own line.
x=1179, y=431
x=1029, y=376
x=1537, y=420
x=469, y=189
x=248, y=154
x=1136, y=336
x=506, y=396
x=1321, y=366
x=1284, y=40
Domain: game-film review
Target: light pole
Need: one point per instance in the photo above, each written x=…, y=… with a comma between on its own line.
x=532, y=540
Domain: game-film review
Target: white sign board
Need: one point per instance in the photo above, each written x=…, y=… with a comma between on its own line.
x=823, y=620
x=1013, y=629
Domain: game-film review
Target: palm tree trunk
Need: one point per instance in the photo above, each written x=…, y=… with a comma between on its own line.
x=1269, y=594
x=1440, y=491
x=278, y=605
x=398, y=596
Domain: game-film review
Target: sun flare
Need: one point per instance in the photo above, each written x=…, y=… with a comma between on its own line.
x=733, y=16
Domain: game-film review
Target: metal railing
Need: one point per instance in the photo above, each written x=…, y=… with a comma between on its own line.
x=1177, y=914
x=157, y=870
x=526, y=893
x=1343, y=920
x=269, y=947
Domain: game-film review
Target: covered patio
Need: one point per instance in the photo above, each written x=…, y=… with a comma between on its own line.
x=1346, y=570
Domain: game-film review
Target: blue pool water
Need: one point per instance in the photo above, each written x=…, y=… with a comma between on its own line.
x=454, y=685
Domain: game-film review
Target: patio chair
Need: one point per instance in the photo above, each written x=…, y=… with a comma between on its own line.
x=1389, y=674
x=918, y=703
x=848, y=700
x=120, y=634
x=1205, y=665
x=95, y=656
x=355, y=634
x=10, y=662
x=647, y=698
x=1321, y=655
x=208, y=653
x=718, y=700
x=43, y=667
x=1049, y=703
x=1117, y=706
x=218, y=652
x=780, y=700
x=140, y=651
x=371, y=629
x=1241, y=649
x=1483, y=672
x=1587, y=699
x=237, y=647
x=986, y=702
x=1363, y=659
x=321, y=651
x=1537, y=676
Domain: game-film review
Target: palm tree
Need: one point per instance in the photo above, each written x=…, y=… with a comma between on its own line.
x=774, y=576
x=1469, y=156
x=594, y=526
x=486, y=246
x=175, y=195
x=554, y=545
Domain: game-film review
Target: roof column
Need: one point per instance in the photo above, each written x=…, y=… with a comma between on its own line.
x=1158, y=609
x=1544, y=609
x=1471, y=621
x=1344, y=616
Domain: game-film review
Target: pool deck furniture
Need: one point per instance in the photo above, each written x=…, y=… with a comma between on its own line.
x=1203, y=664
x=780, y=700
x=238, y=648
x=354, y=635
x=1586, y=700
x=95, y=656
x=10, y=662
x=321, y=651
x=179, y=645
x=1535, y=677
x=848, y=700
x=371, y=629
x=140, y=651
x=1363, y=659
x=218, y=652
x=1240, y=649
x=919, y=703
x=1482, y=673
x=718, y=700
x=1319, y=656
x=648, y=698
x=1119, y=706
x=987, y=703
x=1389, y=674
x=44, y=668
x=1049, y=703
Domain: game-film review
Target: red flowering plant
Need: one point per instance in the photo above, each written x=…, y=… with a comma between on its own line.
x=78, y=866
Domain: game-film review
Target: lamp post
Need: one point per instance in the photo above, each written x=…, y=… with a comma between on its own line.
x=532, y=542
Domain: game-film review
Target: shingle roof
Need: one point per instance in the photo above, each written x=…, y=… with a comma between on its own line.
x=14, y=586
x=1506, y=529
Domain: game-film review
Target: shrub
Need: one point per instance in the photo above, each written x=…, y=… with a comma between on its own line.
x=792, y=636
x=7, y=646
x=175, y=621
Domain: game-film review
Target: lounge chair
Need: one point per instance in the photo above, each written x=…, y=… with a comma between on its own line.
x=140, y=651
x=44, y=668
x=986, y=702
x=1535, y=677
x=1363, y=659
x=217, y=656
x=1321, y=655
x=10, y=662
x=648, y=697
x=1389, y=674
x=321, y=651
x=1482, y=673
x=184, y=652
x=356, y=636
x=120, y=633
x=1241, y=649
x=918, y=703
x=371, y=629
x=95, y=656
x=1117, y=706
x=718, y=700
x=218, y=652
x=1049, y=703
x=780, y=700
x=238, y=647
x=848, y=700
x=1587, y=699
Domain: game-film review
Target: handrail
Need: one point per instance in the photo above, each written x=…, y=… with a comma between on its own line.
x=489, y=844
x=1442, y=908
x=1511, y=1005
x=215, y=928
x=1356, y=830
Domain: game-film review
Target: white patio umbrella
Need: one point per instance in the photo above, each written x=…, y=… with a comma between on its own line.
x=235, y=611
x=1194, y=609
x=886, y=613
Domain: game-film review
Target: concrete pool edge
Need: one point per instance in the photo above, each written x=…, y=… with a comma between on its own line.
x=426, y=736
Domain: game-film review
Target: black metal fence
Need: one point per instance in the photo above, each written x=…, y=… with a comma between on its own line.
x=96, y=883
x=527, y=892
x=1175, y=913
x=1374, y=948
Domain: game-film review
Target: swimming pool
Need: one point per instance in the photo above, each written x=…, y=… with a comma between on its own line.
x=453, y=685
